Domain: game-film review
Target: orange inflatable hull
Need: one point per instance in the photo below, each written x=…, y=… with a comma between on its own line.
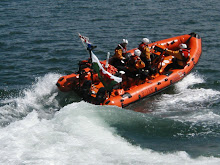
x=124, y=96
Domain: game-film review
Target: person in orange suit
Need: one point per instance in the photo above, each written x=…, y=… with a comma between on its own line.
x=120, y=53
x=145, y=51
x=135, y=66
x=180, y=59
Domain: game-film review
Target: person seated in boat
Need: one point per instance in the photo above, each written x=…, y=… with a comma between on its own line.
x=135, y=66
x=180, y=59
x=145, y=53
x=118, y=60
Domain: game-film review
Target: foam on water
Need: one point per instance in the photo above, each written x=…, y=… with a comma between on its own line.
x=40, y=97
x=191, y=79
x=195, y=101
x=78, y=135
x=81, y=133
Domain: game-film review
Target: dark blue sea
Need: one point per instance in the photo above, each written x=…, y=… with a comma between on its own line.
x=40, y=125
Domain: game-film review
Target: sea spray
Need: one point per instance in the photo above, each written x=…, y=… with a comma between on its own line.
x=187, y=97
x=41, y=96
x=78, y=135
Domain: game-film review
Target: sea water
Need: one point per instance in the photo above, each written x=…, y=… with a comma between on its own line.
x=40, y=125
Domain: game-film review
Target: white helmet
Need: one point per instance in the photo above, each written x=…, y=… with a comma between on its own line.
x=124, y=41
x=183, y=46
x=146, y=40
x=137, y=52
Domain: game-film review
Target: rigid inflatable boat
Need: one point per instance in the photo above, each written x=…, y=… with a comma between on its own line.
x=100, y=83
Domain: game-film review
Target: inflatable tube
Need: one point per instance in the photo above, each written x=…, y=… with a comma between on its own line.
x=134, y=89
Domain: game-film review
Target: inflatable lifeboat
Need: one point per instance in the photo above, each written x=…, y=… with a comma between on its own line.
x=87, y=83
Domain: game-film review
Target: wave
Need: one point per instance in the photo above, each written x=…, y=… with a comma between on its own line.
x=43, y=124
x=187, y=97
x=78, y=134
x=41, y=97
x=188, y=104
x=192, y=106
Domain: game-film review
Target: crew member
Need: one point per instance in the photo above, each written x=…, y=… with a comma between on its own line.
x=120, y=52
x=145, y=52
x=135, y=65
x=180, y=59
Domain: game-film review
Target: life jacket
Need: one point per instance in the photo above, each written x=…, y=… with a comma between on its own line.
x=145, y=52
x=142, y=46
x=135, y=63
x=124, y=50
x=131, y=62
x=185, y=54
